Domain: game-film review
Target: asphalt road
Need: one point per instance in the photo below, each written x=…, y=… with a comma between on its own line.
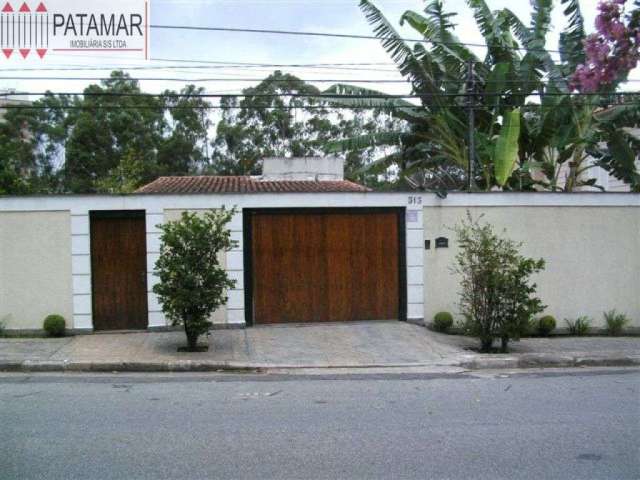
x=565, y=425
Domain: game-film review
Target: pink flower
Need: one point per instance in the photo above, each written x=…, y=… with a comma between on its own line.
x=611, y=52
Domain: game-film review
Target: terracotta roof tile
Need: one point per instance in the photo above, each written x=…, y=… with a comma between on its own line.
x=246, y=184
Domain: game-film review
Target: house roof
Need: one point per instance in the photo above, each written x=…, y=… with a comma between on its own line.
x=247, y=184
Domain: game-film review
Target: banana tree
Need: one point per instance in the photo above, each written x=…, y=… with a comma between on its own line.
x=438, y=125
x=567, y=135
x=561, y=130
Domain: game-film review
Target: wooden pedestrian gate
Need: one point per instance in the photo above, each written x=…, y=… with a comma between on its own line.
x=119, y=270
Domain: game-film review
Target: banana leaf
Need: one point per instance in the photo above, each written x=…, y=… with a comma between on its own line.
x=506, y=151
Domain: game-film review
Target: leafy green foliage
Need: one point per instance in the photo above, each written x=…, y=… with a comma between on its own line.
x=54, y=325
x=105, y=143
x=506, y=154
x=571, y=46
x=442, y=321
x=615, y=321
x=497, y=296
x=579, y=326
x=192, y=282
x=559, y=136
x=546, y=325
x=294, y=126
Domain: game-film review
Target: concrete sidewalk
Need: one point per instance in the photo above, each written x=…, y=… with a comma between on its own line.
x=345, y=345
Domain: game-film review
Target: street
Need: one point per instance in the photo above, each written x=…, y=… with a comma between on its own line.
x=570, y=424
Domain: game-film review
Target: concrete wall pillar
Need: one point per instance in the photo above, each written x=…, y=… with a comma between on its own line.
x=415, y=258
x=81, y=269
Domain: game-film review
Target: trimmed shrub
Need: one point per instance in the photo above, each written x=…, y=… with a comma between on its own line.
x=442, y=321
x=193, y=284
x=615, y=321
x=579, y=326
x=54, y=325
x=546, y=325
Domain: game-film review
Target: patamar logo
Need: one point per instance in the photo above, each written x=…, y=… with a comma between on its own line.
x=72, y=26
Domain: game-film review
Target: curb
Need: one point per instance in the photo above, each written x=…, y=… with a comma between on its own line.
x=544, y=360
x=105, y=367
x=469, y=362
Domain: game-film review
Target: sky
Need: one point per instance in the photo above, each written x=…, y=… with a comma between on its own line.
x=331, y=16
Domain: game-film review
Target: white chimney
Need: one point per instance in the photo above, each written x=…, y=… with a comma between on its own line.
x=303, y=168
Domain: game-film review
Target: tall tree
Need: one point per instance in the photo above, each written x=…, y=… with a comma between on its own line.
x=562, y=130
x=112, y=138
x=266, y=121
x=270, y=120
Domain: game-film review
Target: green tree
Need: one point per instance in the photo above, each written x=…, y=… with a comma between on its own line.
x=266, y=122
x=497, y=297
x=193, y=283
x=280, y=124
x=112, y=138
x=125, y=177
x=16, y=155
x=115, y=121
x=29, y=148
x=564, y=128
x=183, y=148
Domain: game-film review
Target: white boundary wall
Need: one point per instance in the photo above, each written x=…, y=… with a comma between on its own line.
x=79, y=207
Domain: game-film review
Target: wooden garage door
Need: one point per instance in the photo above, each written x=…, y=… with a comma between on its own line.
x=119, y=270
x=317, y=266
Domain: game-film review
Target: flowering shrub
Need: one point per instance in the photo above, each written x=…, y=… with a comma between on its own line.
x=611, y=52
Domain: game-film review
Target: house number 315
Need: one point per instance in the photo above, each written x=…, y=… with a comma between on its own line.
x=415, y=200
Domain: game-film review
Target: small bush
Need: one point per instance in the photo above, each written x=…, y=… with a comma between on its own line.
x=54, y=325
x=546, y=325
x=497, y=295
x=615, y=321
x=442, y=321
x=579, y=326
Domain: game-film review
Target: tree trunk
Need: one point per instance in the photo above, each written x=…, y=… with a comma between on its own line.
x=192, y=341
x=192, y=338
x=504, y=344
x=486, y=344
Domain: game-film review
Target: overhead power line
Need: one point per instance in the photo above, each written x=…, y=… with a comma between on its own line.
x=311, y=95
x=282, y=65
x=250, y=79
x=333, y=35
x=513, y=84
x=261, y=107
x=206, y=66
x=353, y=36
x=217, y=79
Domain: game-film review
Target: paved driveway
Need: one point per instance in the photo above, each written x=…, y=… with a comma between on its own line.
x=355, y=344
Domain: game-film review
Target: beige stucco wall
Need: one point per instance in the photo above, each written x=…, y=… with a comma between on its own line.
x=592, y=255
x=35, y=268
x=220, y=315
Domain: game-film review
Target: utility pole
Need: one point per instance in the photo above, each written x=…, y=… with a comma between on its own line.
x=470, y=100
